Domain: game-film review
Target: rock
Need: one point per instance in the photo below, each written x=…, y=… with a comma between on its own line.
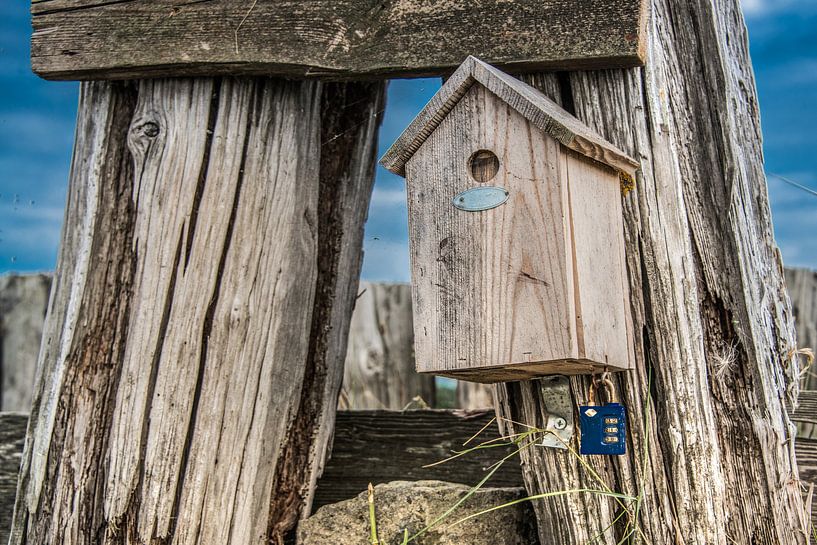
x=414, y=505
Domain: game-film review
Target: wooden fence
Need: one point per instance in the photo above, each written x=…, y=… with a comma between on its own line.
x=23, y=302
x=376, y=444
x=379, y=371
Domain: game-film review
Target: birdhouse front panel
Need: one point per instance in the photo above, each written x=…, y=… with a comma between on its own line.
x=516, y=234
x=490, y=287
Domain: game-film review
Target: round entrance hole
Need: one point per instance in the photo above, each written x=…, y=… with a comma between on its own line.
x=483, y=165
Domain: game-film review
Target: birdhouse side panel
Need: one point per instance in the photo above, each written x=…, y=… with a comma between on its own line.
x=604, y=328
x=491, y=287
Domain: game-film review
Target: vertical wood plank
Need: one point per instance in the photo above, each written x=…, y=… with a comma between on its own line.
x=599, y=269
x=23, y=303
x=379, y=369
x=472, y=395
x=12, y=437
x=195, y=343
x=802, y=288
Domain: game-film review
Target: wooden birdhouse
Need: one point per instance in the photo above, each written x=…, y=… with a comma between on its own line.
x=516, y=234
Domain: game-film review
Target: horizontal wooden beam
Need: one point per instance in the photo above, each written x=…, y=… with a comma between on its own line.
x=337, y=39
x=371, y=446
x=806, y=407
x=381, y=446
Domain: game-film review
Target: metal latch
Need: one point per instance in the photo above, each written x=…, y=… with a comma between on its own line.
x=558, y=403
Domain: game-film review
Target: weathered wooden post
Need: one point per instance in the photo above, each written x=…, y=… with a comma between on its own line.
x=178, y=332
x=379, y=369
x=802, y=286
x=712, y=459
x=193, y=348
x=23, y=302
x=187, y=384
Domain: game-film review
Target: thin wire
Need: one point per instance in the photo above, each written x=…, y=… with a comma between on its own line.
x=252, y=7
x=795, y=184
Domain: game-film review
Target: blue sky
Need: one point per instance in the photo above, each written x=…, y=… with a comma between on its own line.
x=37, y=120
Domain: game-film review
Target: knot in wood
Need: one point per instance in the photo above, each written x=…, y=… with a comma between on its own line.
x=149, y=129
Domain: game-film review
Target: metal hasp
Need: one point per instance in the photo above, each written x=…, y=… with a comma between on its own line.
x=558, y=402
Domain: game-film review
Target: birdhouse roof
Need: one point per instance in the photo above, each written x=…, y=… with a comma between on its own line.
x=528, y=101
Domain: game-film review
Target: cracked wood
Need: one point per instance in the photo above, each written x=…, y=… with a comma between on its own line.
x=103, y=39
x=193, y=342
x=710, y=446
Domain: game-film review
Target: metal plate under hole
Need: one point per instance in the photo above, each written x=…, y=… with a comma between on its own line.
x=480, y=198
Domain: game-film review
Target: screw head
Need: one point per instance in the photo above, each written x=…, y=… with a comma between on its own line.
x=560, y=423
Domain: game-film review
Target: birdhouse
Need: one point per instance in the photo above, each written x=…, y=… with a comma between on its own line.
x=516, y=234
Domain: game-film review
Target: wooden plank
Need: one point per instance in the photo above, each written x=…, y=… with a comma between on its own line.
x=23, y=302
x=806, y=414
x=532, y=104
x=473, y=395
x=802, y=288
x=99, y=39
x=806, y=450
x=370, y=446
x=383, y=446
x=379, y=370
x=12, y=437
x=188, y=381
x=483, y=286
x=599, y=271
x=806, y=407
x=807, y=459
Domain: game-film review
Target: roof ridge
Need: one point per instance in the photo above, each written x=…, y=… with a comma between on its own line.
x=528, y=101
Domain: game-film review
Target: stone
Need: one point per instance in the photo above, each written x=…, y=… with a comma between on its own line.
x=413, y=506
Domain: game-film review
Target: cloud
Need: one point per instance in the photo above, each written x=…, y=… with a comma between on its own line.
x=759, y=7
x=386, y=197
x=756, y=8
x=385, y=261
x=29, y=236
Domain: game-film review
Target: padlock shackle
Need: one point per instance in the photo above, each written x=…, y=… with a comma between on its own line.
x=605, y=384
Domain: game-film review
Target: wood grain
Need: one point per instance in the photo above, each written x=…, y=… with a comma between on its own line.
x=379, y=370
x=12, y=436
x=532, y=104
x=473, y=395
x=603, y=327
x=532, y=287
x=806, y=411
x=371, y=446
x=99, y=39
x=802, y=288
x=483, y=287
x=23, y=302
x=710, y=447
x=183, y=372
x=383, y=446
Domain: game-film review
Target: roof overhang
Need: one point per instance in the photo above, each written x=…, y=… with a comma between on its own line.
x=537, y=108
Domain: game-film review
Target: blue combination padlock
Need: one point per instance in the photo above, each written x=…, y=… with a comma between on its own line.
x=604, y=427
